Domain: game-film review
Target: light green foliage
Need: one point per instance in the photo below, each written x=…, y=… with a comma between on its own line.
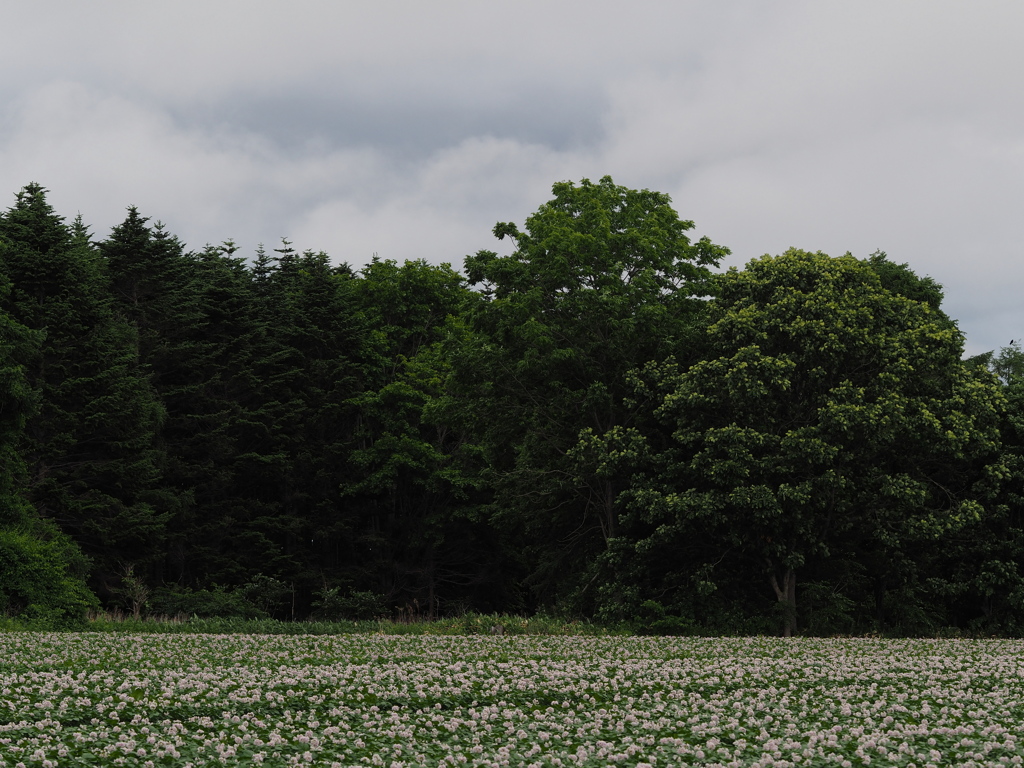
x=601, y=281
x=41, y=578
x=830, y=414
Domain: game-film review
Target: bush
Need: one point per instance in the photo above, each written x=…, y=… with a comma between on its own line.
x=653, y=619
x=331, y=604
x=217, y=602
x=267, y=593
x=40, y=579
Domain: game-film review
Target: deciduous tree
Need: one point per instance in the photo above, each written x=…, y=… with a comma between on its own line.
x=830, y=412
x=602, y=280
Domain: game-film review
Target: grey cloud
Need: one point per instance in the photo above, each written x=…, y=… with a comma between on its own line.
x=407, y=128
x=409, y=124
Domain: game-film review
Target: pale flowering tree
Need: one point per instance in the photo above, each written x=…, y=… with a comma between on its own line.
x=829, y=410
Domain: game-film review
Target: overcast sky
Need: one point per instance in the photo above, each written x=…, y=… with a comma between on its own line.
x=408, y=128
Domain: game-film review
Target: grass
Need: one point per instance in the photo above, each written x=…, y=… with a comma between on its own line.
x=469, y=624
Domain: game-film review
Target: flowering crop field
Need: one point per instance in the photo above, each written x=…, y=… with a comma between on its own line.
x=208, y=700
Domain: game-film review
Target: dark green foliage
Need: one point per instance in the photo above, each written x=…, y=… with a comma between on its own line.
x=156, y=287
x=603, y=428
x=427, y=551
x=268, y=594
x=334, y=605
x=215, y=601
x=41, y=571
x=18, y=346
x=901, y=280
x=219, y=446
x=983, y=567
x=89, y=445
x=310, y=363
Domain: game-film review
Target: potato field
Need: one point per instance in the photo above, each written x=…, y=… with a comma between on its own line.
x=402, y=701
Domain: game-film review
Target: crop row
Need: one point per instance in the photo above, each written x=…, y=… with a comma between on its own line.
x=180, y=700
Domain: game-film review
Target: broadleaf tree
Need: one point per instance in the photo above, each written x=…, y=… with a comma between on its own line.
x=830, y=413
x=602, y=280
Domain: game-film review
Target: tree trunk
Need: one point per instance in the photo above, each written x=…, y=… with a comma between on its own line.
x=609, y=510
x=786, y=594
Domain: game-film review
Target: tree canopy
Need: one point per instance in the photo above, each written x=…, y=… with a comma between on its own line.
x=598, y=424
x=829, y=414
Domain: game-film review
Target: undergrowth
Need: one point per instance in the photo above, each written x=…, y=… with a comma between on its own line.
x=470, y=624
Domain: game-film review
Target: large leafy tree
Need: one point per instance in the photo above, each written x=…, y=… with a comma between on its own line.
x=981, y=567
x=830, y=414
x=601, y=281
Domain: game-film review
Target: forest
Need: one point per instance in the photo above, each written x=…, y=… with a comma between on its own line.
x=600, y=425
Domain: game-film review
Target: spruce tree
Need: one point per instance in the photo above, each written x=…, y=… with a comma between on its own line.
x=90, y=444
x=41, y=570
x=415, y=503
x=314, y=364
x=156, y=288
x=217, y=443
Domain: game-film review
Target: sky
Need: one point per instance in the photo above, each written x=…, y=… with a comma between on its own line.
x=407, y=129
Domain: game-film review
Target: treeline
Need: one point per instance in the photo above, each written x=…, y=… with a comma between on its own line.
x=595, y=425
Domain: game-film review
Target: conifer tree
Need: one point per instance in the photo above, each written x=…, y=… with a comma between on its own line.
x=18, y=345
x=312, y=366
x=90, y=444
x=415, y=503
x=41, y=570
x=218, y=444
x=156, y=287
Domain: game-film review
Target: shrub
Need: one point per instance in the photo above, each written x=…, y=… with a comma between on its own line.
x=266, y=593
x=216, y=602
x=40, y=579
x=653, y=619
x=331, y=604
